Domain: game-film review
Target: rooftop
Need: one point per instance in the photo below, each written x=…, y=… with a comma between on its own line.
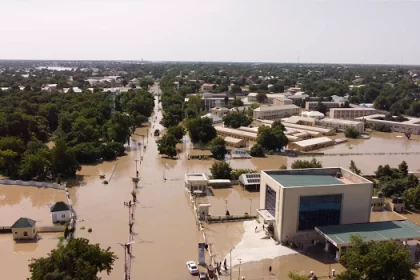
x=24, y=223
x=235, y=131
x=330, y=120
x=59, y=206
x=314, y=141
x=276, y=107
x=250, y=178
x=196, y=177
x=377, y=231
x=233, y=140
x=305, y=180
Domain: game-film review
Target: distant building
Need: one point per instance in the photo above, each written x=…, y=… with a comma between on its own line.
x=273, y=112
x=214, y=118
x=235, y=133
x=351, y=113
x=207, y=87
x=60, y=212
x=24, y=228
x=412, y=125
x=312, y=105
x=341, y=125
x=235, y=142
x=196, y=182
x=313, y=115
x=250, y=181
x=220, y=111
x=282, y=101
x=311, y=144
x=340, y=99
x=252, y=97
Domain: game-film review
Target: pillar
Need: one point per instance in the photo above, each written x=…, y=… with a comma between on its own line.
x=327, y=245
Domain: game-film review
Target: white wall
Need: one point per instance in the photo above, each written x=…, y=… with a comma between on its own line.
x=60, y=216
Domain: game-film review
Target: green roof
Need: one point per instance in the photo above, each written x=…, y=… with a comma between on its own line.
x=377, y=231
x=24, y=223
x=59, y=206
x=298, y=180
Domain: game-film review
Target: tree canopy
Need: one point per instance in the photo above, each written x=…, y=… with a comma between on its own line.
x=76, y=260
x=221, y=170
x=201, y=130
x=376, y=260
x=304, y=164
x=271, y=138
x=218, y=148
x=236, y=119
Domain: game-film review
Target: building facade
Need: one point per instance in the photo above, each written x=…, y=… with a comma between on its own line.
x=412, y=125
x=24, y=229
x=60, y=212
x=341, y=125
x=351, y=113
x=296, y=201
x=312, y=105
x=273, y=112
x=282, y=101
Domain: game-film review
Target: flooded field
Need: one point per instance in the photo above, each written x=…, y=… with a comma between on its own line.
x=30, y=202
x=378, y=143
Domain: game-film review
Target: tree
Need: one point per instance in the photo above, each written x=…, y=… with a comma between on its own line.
x=320, y=107
x=353, y=168
x=237, y=102
x=376, y=260
x=167, y=145
x=304, y=164
x=63, y=160
x=351, y=132
x=278, y=123
x=201, y=130
x=76, y=260
x=218, y=148
x=257, y=151
x=236, y=119
x=177, y=131
x=261, y=97
x=235, y=89
x=411, y=198
x=221, y=170
x=35, y=165
x=271, y=139
x=403, y=167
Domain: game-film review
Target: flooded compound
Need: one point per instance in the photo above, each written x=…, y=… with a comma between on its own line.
x=164, y=231
x=382, y=148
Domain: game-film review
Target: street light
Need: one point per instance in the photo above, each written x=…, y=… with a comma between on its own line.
x=226, y=204
x=250, y=206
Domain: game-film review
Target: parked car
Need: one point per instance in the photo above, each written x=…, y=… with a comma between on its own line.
x=202, y=276
x=192, y=267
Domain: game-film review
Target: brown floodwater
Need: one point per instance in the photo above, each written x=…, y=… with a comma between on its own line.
x=165, y=230
x=379, y=142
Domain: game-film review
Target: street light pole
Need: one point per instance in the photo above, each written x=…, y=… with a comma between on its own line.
x=137, y=172
x=250, y=206
x=226, y=204
x=231, y=267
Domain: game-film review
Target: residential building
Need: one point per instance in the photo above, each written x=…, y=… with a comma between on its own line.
x=235, y=133
x=235, y=142
x=311, y=144
x=207, y=87
x=220, y=111
x=252, y=97
x=312, y=105
x=273, y=112
x=272, y=96
x=282, y=101
x=24, y=228
x=412, y=125
x=250, y=181
x=341, y=125
x=340, y=99
x=299, y=200
x=312, y=115
x=60, y=212
x=215, y=119
x=351, y=113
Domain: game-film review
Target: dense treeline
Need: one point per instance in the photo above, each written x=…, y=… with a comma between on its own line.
x=86, y=127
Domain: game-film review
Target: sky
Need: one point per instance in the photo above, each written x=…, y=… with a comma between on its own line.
x=305, y=31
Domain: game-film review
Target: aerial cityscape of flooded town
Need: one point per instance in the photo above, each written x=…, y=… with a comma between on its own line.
x=199, y=173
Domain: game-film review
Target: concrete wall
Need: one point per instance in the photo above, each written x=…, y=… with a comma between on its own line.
x=19, y=233
x=355, y=205
x=32, y=184
x=60, y=216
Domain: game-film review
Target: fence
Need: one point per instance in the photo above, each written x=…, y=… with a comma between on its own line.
x=33, y=184
x=51, y=229
x=230, y=218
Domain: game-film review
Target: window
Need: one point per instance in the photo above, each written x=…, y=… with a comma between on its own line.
x=63, y=216
x=270, y=200
x=25, y=233
x=322, y=210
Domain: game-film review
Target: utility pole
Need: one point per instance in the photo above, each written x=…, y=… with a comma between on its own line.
x=250, y=206
x=137, y=172
x=231, y=266
x=239, y=276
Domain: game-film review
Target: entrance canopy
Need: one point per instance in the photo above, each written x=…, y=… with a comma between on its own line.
x=378, y=231
x=266, y=215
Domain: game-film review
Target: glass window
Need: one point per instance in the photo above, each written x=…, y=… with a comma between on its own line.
x=25, y=233
x=322, y=210
x=270, y=200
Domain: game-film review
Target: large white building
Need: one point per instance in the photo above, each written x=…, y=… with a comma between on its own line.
x=296, y=201
x=412, y=125
x=351, y=113
x=273, y=112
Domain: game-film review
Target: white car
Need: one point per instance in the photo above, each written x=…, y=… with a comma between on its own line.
x=192, y=267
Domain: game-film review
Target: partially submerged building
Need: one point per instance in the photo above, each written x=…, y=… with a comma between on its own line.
x=275, y=112
x=250, y=181
x=196, y=183
x=311, y=144
x=412, y=125
x=60, y=212
x=24, y=229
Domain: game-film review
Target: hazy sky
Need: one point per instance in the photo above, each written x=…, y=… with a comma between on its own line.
x=357, y=31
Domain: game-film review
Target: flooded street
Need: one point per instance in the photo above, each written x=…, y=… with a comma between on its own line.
x=165, y=230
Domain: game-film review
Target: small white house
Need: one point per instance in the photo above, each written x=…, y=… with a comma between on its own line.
x=60, y=212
